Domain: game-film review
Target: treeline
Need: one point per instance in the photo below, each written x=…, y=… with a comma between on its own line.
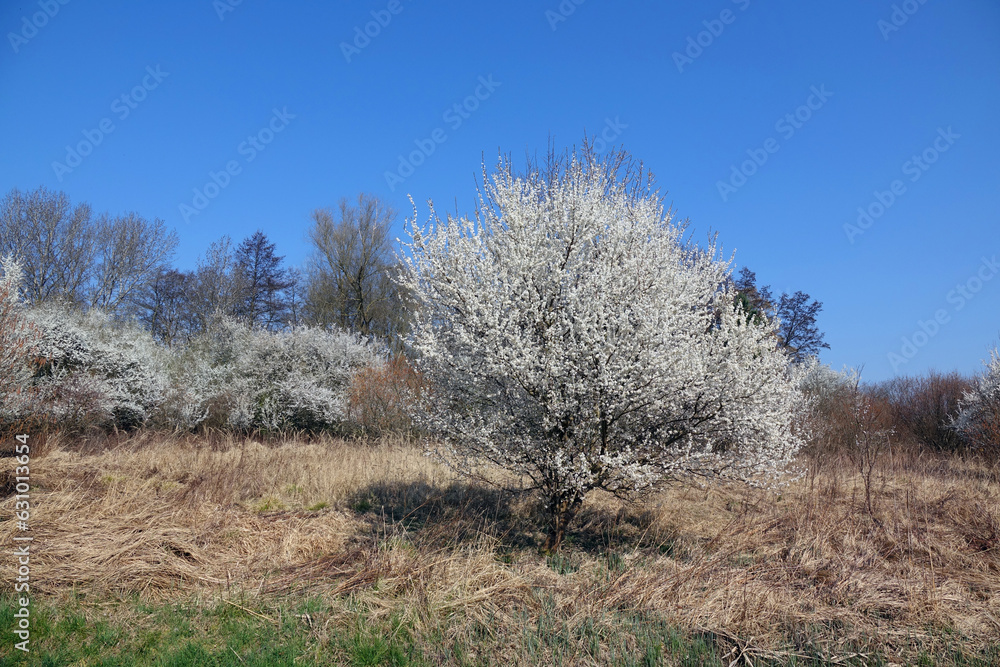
x=121, y=265
x=69, y=254
x=99, y=331
x=936, y=413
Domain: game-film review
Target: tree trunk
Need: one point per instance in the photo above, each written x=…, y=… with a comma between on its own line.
x=563, y=509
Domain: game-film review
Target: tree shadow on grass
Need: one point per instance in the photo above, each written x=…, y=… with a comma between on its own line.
x=459, y=513
x=463, y=512
x=603, y=530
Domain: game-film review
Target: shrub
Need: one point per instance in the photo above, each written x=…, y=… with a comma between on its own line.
x=253, y=379
x=978, y=419
x=828, y=422
x=923, y=408
x=94, y=371
x=381, y=398
x=18, y=343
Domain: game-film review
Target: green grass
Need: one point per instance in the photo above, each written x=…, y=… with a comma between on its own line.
x=307, y=632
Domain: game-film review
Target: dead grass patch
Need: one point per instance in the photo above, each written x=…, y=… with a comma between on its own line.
x=381, y=529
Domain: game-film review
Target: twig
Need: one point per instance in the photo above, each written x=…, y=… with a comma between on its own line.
x=745, y=651
x=251, y=611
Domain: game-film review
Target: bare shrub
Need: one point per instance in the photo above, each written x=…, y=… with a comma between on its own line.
x=922, y=408
x=847, y=421
x=382, y=398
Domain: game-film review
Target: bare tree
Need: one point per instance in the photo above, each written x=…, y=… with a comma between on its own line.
x=67, y=254
x=131, y=251
x=165, y=306
x=351, y=272
x=52, y=241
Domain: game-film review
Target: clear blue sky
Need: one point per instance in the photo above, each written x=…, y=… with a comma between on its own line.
x=925, y=82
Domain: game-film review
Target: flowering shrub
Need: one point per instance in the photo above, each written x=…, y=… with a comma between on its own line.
x=95, y=371
x=253, y=379
x=17, y=348
x=573, y=337
x=978, y=419
x=85, y=370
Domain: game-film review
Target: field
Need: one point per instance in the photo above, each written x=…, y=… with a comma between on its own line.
x=213, y=550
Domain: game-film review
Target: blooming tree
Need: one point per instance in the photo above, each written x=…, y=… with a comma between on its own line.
x=978, y=420
x=574, y=337
x=86, y=369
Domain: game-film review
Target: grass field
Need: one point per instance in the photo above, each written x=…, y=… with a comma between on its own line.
x=214, y=551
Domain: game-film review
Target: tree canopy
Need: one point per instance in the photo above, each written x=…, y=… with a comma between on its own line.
x=575, y=338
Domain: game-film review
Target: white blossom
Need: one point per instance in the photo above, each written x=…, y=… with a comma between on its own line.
x=17, y=342
x=96, y=369
x=574, y=337
x=247, y=378
x=978, y=419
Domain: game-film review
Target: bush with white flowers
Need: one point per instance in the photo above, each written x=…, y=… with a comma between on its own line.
x=254, y=379
x=978, y=420
x=17, y=346
x=571, y=335
x=96, y=371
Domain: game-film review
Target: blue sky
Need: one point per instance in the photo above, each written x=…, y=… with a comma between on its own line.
x=820, y=108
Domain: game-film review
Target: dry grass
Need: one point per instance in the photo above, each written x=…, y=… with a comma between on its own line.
x=390, y=534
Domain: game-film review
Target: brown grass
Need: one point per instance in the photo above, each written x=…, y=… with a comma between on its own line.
x=387, y=529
